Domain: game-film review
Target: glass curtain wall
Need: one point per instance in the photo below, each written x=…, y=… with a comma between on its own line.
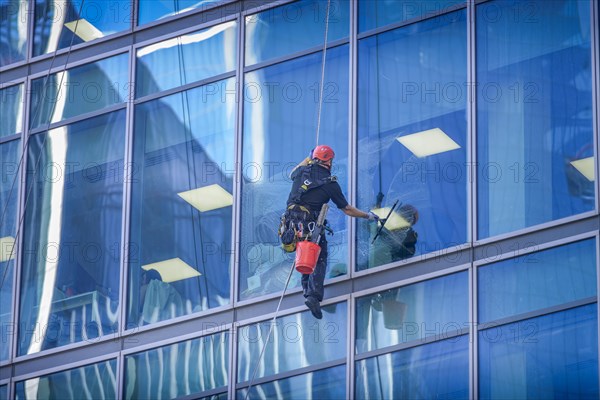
x=280, y=124
x=88, y=88
x=182, y=201
x=412, y=133
x=11, y=110
x=60, y=24
x=549, y=355
x=13, y=31
x=96, y=381
x=534, y=114
x=412, y=316
x=152, y=10
x=72, y=234
x=181, y=369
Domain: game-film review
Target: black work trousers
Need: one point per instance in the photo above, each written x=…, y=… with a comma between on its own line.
x=313, y=283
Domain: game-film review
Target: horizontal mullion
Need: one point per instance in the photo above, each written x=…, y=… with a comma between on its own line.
x=78, y=118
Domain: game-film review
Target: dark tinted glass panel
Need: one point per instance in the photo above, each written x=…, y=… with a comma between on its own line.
x=534, y=113
x=72, y=234
x=550, y=357
x=96, y=381
x=60, y=24
x=412, y=142
x=323, y=384
x=151, y=10
x=9, y=189
x=375, y=13
x=280, y=124
x=13, y=31
x=438, y=370
x=178, y=370
x=294, y=27
x=537, y=280
x=79, y=90
x=182, y=204
x=433, y=308
x=4, y=392
x=297, y=341
x=11, y=110
x=185, y=59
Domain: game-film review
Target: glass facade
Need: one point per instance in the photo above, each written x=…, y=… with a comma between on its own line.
x=11, y=110
x=181, y=369
x=145, y=154
x=96, y=381
x=64, y=23
x=404, y=105
x=534, y=114
x=13, y=31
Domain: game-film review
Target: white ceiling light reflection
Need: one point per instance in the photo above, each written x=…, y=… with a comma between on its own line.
x=586, y=167
x=7, y=251
x=429, y=142
x=395, y=220
x=82, y=28
x=207, y=198
x=172, y=270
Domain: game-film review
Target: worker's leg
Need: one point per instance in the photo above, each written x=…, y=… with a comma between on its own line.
x=313, y=283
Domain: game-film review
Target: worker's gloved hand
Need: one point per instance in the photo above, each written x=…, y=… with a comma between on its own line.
x=372, y=216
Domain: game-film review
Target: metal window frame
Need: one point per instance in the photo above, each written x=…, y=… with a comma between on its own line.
x=66, y=367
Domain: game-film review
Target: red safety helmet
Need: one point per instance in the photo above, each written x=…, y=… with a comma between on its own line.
x=323, y=153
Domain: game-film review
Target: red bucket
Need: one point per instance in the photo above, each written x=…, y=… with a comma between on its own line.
x=307, y=254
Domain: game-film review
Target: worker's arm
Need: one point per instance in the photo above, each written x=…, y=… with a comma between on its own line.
x=355, y=212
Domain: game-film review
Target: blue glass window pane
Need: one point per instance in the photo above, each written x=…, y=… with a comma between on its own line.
x=96, y=381
x=280, y=124
x=79, y=90
x=294, y=27
x=178, y=370
x=10, y=155
x=434, y=308
x=323, y=384
x=13, y=31
x=412, y=81
x=185, y=59
x=72, y=234
x=58, y=24
x=297, y=341
x=534, y=113
x=11, y=110
x=439, y=370
x=549, y=357
x=538, y=280
x=376, y=13
x=152, y=10
x=182, y=203
x=4, y=392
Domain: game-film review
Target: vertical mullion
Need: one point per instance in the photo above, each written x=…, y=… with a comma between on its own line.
x=128, y=169
x=472, y=233
x=237, y=193
x=352, y=157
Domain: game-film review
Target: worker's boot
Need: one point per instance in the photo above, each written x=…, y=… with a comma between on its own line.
x=314, y=306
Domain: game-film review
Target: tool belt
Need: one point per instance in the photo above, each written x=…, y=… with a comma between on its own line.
x=294, y=226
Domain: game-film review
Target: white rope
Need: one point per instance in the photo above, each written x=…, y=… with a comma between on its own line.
x=262, y=351
x=320, y=106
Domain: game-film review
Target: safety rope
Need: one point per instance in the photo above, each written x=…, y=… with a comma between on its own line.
x=323, y=59
x=262, y=351
x=28, y=137
x=319, y=108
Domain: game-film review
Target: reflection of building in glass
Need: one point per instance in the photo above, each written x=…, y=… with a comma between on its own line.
x=143, y=184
